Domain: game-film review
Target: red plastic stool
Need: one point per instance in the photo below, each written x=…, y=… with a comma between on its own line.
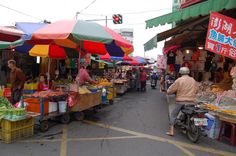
x=232, y=136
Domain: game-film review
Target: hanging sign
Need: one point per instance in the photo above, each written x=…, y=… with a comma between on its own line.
x=221, y=35
x=101, y=65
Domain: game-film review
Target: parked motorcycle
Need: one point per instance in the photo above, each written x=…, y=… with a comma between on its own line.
x=192, y=120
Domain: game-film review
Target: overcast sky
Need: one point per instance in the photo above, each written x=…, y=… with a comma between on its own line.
x=134, y=12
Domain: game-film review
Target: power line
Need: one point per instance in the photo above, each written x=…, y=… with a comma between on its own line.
x=20, y=12
x=87, y=6
x=128, y=13
x=144, y=12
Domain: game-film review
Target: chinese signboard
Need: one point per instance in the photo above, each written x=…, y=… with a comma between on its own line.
x=221, y=35
x=161, y=61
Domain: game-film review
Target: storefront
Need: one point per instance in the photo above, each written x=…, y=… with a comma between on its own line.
x=210, y=64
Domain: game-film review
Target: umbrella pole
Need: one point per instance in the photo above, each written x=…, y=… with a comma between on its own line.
x=113, y=86
x=49, y=65
x=79, y=63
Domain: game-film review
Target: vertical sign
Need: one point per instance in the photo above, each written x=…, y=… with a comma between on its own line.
x=221, y=35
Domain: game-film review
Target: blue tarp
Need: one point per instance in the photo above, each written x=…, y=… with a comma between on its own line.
x=28, y=29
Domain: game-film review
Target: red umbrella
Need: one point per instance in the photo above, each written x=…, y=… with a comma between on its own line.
x=127, y=58
x=108, y=57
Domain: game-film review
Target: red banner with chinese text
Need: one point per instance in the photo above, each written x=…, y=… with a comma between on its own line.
x=221, y=35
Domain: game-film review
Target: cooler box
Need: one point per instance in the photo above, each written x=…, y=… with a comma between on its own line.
x=213, y=128
x=33, y=105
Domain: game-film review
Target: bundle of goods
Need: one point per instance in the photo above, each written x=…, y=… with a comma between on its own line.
x=220, y=87
x=206, y=96
x=211, y=107
x=229, y=112
x=205, y=86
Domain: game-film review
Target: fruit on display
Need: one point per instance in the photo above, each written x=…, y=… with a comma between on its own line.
x=103, y=82
x=8, y=112
x=14, y=113
x=83, y=90
x=4, y=103
x=44, y=94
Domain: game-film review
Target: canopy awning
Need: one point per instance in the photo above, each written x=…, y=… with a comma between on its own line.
x=97, y=60
x=187, y=26
x=152, y=43
x=193, y=11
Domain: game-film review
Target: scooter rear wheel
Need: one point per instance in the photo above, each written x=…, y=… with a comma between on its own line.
x=193, y=132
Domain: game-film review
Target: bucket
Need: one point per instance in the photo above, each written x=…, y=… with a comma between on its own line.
x=52, y=107
x=62, y=106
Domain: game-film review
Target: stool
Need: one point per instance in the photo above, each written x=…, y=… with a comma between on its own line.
x=232, y=137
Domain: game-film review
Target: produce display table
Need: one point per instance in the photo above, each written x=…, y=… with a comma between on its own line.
x=41, y=106
x=83, y=102
x=228, y=119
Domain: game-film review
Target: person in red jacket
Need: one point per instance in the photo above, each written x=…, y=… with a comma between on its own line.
x=143, y=79
x=43, y=84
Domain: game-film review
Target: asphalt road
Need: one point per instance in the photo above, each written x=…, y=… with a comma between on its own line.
x=134, y=125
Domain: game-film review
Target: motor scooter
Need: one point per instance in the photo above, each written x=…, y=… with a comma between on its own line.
x=192, y=120
x=154, y=79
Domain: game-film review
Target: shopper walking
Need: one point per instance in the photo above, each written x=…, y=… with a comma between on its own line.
x=143, y=79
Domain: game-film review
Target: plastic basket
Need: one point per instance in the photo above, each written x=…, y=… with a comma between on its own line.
x=15, y=130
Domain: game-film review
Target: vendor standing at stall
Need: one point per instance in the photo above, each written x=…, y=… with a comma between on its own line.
x=17, y=79
x=83, y=76
x=43, y=84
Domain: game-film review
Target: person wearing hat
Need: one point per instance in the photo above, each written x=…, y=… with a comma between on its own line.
x=185, y=89
x=83, y=76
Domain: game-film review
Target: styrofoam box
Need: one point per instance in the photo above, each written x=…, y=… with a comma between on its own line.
x=53, y=107
x=215, y=128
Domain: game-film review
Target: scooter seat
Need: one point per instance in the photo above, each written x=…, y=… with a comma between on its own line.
x=201, y=111
x=187, y=111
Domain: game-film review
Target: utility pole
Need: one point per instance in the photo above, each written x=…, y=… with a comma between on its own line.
x=106, y=21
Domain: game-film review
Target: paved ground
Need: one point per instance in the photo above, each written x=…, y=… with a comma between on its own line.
x=134, y=126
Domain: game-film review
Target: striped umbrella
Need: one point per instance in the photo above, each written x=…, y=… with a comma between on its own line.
x=42, y=50
x=87, y=36
x=10, y=37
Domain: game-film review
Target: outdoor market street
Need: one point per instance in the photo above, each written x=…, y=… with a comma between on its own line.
x=134, y=126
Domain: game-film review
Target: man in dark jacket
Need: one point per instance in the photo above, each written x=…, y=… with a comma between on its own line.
x=17, y=79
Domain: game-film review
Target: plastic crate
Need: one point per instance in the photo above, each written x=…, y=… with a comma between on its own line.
x=7, y=92
x=33, y=105
x=29, y=91
x=15, y=130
